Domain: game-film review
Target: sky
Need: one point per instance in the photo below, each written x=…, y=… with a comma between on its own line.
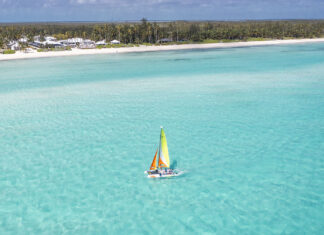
x=131, y=10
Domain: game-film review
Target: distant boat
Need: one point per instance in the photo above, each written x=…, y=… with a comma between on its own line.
x=161, y=167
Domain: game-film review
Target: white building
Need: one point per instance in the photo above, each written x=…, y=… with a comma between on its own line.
x=37, y=38
x=49, y=38
x=46, y=44
x=71, y=42
x=13, y=45
x=75, y=40
x=23, y=40
x=115, y=41
x=101, y=43
x=52, y=43
x=87, y=44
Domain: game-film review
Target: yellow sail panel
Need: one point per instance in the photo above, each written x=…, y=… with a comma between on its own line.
x=153, y=165
x=164, y=160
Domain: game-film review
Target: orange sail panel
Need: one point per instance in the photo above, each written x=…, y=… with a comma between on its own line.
x=153, y=165
x=161, y=163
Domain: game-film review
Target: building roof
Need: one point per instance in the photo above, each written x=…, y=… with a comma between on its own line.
x=23, y=39
x=50, y=38
x=75, y=40
x=115, y=41
x=165, y=40
x=103, y=42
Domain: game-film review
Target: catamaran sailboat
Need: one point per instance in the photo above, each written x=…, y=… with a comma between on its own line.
x=162, y=167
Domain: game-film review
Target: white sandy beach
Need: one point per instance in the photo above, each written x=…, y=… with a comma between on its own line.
x=76, y=51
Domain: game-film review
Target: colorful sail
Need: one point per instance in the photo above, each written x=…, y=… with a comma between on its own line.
x=153, y=165
x=164, y=160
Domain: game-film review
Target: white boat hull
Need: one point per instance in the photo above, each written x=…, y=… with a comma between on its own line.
x=163, y=175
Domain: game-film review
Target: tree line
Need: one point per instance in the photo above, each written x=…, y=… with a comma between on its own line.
x=152, y=32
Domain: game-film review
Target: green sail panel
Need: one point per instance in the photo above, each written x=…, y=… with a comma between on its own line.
x=164, y=160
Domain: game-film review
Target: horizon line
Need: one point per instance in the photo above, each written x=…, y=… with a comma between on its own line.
x=161, y=21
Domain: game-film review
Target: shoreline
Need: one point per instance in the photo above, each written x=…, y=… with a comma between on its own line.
x=76, y=51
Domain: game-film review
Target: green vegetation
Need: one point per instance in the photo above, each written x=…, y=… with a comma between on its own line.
x=259, y=39
x=9, y=52
x=54, y=49
x=179, y=32
x=210, y=41
x=116, y=45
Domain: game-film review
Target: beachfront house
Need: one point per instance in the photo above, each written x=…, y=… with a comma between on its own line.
x=37, y=38
x=24, y=39
x=72, y=42
x=101, y=43
x=63, y=42
x=115, y=41
x=49, y=38
x=87, y=44
x=47, y=43
x=37, y=44
x=75, y=40
x=13, y=45
x=165, y=40
x=52, y=44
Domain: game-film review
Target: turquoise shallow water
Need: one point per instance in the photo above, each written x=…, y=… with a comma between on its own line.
x=246, y=124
